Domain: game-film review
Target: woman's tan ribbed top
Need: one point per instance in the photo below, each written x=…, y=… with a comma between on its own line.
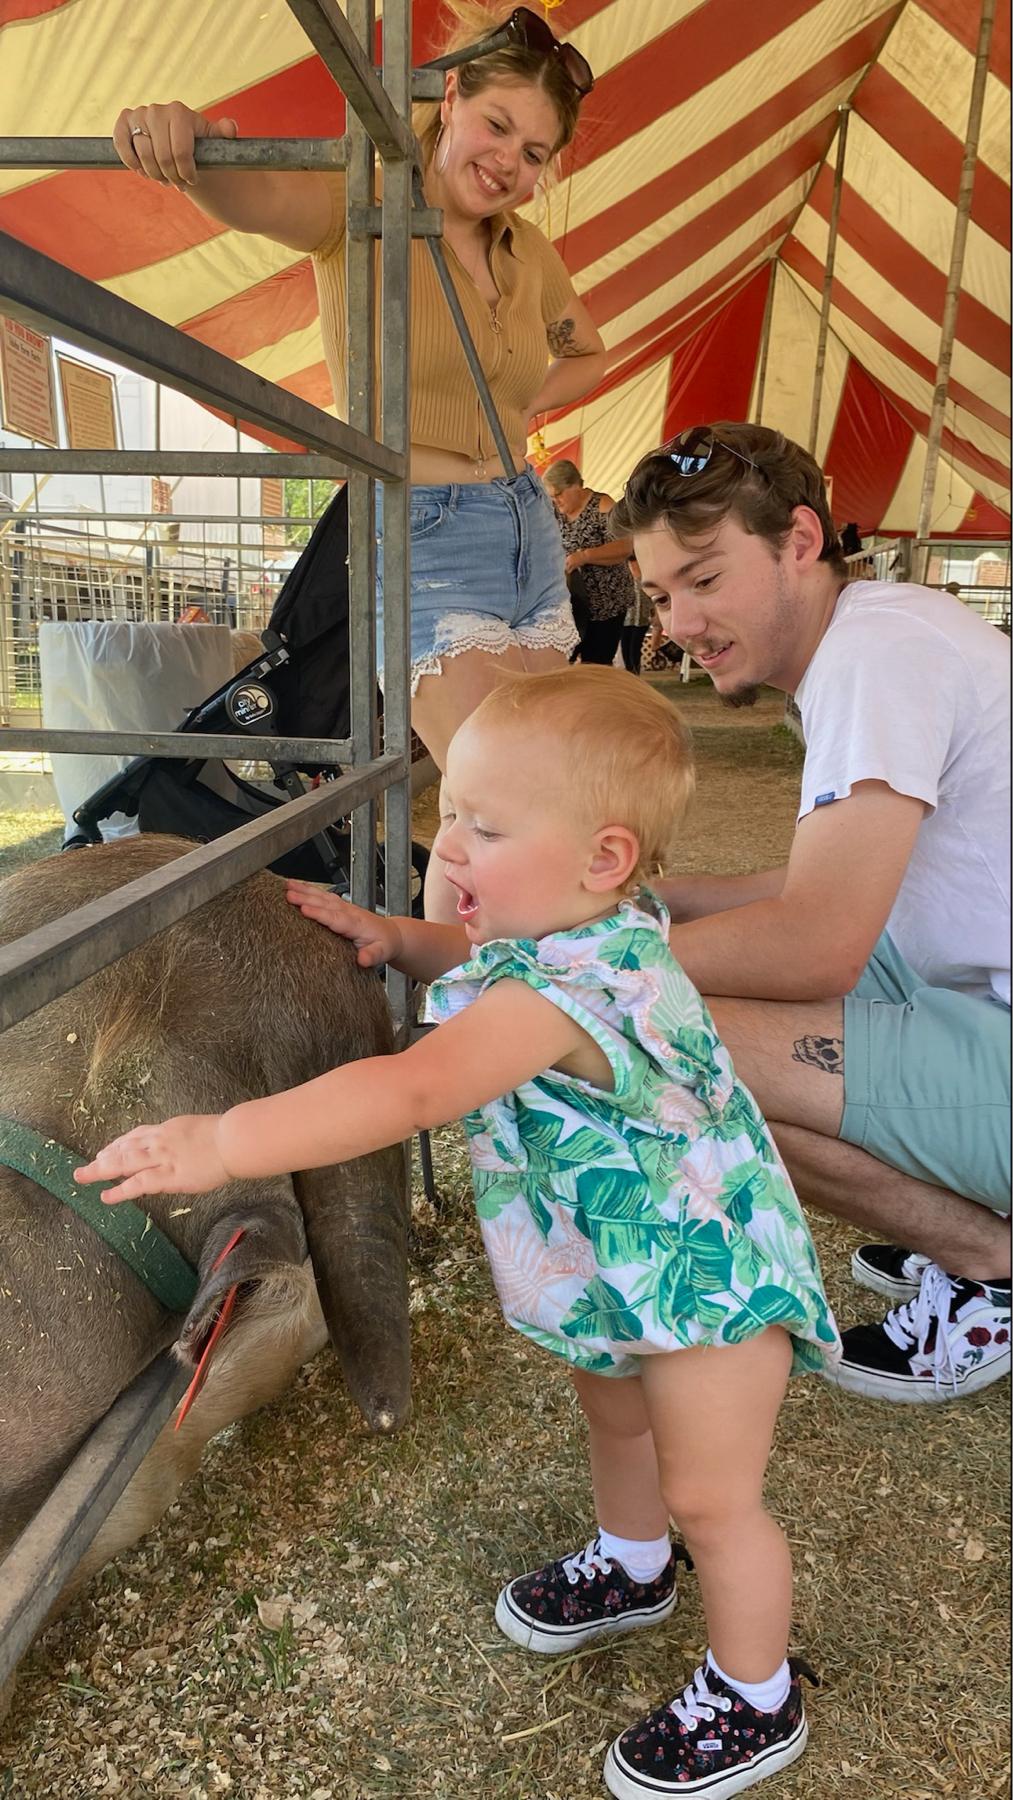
x=445, y=409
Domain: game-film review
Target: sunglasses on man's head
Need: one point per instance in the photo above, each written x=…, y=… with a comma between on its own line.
x=692, y=450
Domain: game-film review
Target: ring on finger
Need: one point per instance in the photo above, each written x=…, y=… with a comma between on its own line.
x=139, y=131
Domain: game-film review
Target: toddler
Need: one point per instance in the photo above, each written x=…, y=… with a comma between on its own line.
x=636, y=1213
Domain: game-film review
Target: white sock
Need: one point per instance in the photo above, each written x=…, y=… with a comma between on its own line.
x=766, y=1696
x=643, y=1558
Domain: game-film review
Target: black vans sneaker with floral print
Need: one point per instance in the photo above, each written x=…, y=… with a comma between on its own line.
x=708, y=1742
x=581, y=1597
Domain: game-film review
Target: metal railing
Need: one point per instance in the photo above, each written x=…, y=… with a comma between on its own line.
x=47, y=962
x=140, y=568
x=992, y=602
x=50, y=297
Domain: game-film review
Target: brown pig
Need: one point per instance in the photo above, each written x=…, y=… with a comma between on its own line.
x=239, y=999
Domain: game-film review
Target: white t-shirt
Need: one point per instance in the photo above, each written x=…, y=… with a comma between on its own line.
x=910, y=687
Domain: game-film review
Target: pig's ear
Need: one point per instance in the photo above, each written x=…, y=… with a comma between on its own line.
x=356, y=1219
x=244, y=1249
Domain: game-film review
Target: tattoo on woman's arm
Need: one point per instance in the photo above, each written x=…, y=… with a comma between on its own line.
x=562, y=338
x=824, y=1053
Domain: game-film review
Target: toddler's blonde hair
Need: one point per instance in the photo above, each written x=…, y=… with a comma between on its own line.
x=624, y=746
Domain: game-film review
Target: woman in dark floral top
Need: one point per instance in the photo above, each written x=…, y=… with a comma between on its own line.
x=601, y=587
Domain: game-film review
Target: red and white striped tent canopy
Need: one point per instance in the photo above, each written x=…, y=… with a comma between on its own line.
x=700, y=177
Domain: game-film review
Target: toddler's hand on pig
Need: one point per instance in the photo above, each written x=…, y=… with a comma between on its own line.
x=377, y=939
x=179, y=1157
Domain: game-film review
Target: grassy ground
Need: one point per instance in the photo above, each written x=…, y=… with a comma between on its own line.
x=314, y=1616
x=25, y=836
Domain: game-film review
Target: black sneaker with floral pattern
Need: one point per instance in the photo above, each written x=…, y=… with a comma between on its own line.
x=709, y=1742
x=583, y=1596
x=951, y=1339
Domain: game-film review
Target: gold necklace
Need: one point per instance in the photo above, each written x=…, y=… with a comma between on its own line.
x=474, y=273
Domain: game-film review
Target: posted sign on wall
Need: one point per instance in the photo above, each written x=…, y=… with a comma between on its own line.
x=89, y=404
x=26, y=376
x=272, y=506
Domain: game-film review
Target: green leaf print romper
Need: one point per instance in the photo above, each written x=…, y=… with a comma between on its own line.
x=654, y=1217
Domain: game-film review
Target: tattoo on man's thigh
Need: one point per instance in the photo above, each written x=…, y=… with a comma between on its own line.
x=826, y=1053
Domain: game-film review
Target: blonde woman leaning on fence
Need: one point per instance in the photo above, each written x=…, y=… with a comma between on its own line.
x=488, y=589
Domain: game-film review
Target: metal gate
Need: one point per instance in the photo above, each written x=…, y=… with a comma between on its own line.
x=47, y=962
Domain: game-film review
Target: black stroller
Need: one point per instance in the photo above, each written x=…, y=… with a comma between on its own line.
x=298, y=687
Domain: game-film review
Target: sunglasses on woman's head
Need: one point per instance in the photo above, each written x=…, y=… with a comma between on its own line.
x=526, y=28
x=692, y=450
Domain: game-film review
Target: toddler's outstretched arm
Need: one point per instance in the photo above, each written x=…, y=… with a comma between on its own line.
x=415, y=946
x=509, y=1035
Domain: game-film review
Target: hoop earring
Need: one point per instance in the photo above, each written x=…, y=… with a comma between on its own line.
x=440, y=159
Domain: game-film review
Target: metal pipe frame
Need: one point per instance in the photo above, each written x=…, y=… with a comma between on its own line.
x=360, y=262
x=367, y=221
x=951, y=301
x=49, y=297
x=49, y=961
x=209, y=153
x=768, y=313
x=332, y=752
x=60, y=527
x=347, y=56
x=816, y=405
x=395, y=254
x=167, y=463
x=46, y=963
x=42, y=1560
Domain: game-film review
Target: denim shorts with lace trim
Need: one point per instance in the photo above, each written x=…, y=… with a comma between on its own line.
x=487, y=572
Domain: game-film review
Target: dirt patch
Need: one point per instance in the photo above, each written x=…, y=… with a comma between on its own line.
x=748, y=769
x=27, y=836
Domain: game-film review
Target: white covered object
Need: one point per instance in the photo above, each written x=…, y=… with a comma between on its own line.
x=114, y=675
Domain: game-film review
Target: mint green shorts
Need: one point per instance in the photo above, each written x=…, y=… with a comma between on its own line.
x=927, y=1080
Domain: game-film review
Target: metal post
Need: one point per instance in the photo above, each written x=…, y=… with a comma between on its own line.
x=360, y=265
x=395, y=331
x=948, y=328
x=52, y=959
x=167, y=463
x=843, y=114
x=209, y=153
x=9, y=607
x=768, y=313
x=44, y=1557
x=55, y=300
x=338, y=43
x=232, y=613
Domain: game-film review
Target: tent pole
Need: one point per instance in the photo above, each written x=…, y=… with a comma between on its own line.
x=761, y=376
x=843, y=113
x=922, y=548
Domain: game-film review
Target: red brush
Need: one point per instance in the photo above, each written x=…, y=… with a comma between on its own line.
x=224, y=1315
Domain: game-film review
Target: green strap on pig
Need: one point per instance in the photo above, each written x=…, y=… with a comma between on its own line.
x=136, y=1240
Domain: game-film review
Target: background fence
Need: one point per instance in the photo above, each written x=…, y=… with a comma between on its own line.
x=137, y=569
